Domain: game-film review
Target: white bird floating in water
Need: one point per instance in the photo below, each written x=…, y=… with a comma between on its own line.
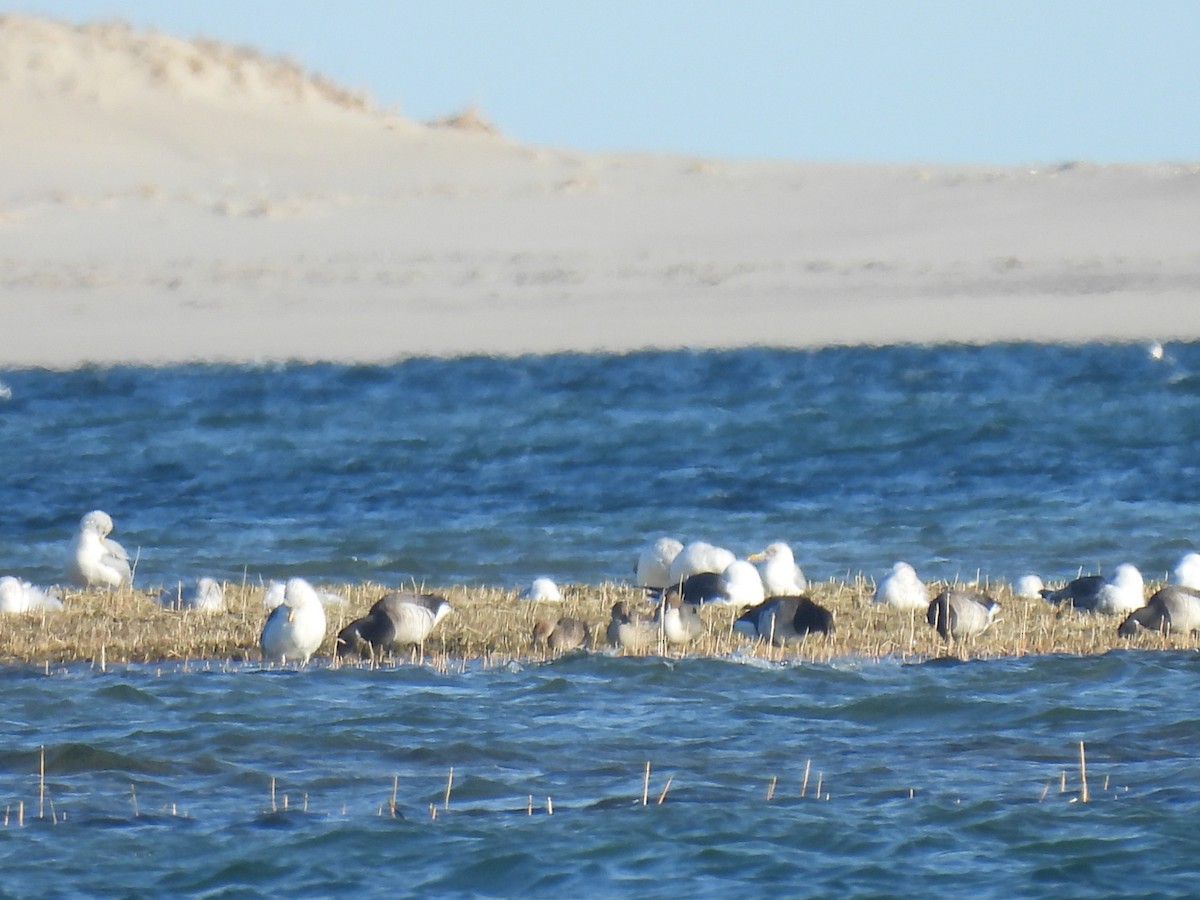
x=781, y=577
x=295, y=628
x=653, y=568
x=902, y=589
x=206, y=595
x=18, y=596
x=542, y=589
x=95, y=560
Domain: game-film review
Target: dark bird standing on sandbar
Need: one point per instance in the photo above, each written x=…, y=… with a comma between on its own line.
x=961, y=614
x=1173, y=608
x=398, y=618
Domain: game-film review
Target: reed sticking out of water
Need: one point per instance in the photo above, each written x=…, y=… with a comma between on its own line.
x=666, y=787
x=549, y=807
x=1083, y=788
x=274, y=808
x=771, y=789
x=804, y=783
x=42, y=782
x=646, y=785
x=449, y=787
x=392, y=799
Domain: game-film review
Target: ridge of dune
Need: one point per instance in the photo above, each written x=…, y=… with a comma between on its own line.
x=113, y=64
x=166, y=200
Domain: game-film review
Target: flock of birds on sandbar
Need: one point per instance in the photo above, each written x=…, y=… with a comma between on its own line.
x=768, y=589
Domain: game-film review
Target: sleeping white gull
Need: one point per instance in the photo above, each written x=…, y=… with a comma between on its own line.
x=1028, y=587
x=1187, y=571
x=274, y=596
x=18, y=596
x=95, y=560
x=296, y=627
x=653, y=568
x=206, y=595
x=902, y=589
x=781, y=577
x=542, y=589
x=699, y=557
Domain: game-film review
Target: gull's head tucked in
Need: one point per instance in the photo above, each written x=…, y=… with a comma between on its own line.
x=18, y=596
x=1187, y=571
x=653, y=568
x=95, y=560
x=542, y=589
x=902, y=589
x=206, y=595
x=296, y=627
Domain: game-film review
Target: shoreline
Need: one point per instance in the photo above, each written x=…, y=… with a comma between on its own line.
x=493, y=626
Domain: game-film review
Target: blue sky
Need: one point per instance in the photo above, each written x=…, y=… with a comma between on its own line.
x=1008, y=81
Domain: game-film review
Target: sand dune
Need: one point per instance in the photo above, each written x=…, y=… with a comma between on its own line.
x=165, y=200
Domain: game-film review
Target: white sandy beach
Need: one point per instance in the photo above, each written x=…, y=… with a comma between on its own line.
x=164, y=200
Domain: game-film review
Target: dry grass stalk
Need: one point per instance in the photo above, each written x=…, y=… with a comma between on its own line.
x=1083, y=787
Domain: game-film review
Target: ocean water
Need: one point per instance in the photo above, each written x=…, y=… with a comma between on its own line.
x=944, y=778
x=997, y=460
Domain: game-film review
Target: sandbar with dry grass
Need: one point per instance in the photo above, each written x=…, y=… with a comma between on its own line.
x=493, y=626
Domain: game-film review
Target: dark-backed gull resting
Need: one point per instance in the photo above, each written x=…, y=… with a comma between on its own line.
x=781, y=577
x=1174, y=609
x=1119, y=595
x=653, y=569
x=681, y=623
x=902, y=589
x=698, y=557
x=396, y=619
x=739, y=585
x=784, y=620
x=206, y=595
x=95, y=560
x=542, y=589
x=18, y=596
x=294, y=629
x=629, y=629
x=961, y=614
x=565, y=634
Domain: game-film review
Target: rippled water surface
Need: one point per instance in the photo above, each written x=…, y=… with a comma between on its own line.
x=944, y=779
x=1003, y=459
